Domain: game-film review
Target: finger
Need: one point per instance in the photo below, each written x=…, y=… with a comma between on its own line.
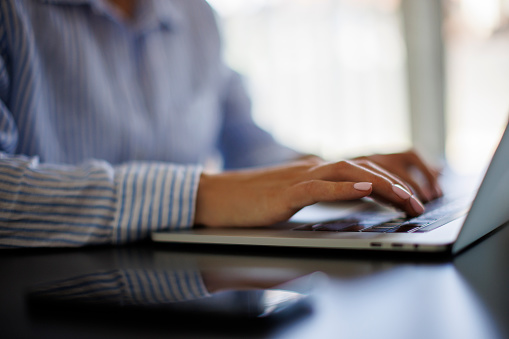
x=385, y=173
x=386, y=188
x=412, y=206
x=419, y=184
x=404, y=180
x=400, y=188
x=313, y=191
x=423, y=192
x=430, y=175
x=407, y=202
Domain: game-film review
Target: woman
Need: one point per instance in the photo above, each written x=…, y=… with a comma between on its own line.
x=109, y=111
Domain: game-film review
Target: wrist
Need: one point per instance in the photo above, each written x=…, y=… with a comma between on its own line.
x=206, y=194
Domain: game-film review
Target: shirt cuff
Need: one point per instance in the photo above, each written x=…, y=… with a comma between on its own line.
x=154, y=197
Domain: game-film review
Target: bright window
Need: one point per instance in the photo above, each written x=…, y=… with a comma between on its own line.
x=477, y=41
x=329, y=76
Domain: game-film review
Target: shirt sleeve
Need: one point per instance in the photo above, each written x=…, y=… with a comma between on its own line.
x=46, y=205
x=242, y=142
x=94, y=203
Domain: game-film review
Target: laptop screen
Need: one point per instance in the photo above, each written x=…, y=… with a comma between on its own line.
x=490, y=208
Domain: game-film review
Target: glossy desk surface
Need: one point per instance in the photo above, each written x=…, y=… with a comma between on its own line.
x=364, y=295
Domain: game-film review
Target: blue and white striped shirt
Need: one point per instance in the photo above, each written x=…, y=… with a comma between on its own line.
x=105, y=124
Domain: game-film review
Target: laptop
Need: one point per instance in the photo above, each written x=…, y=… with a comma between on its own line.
x=449, y=224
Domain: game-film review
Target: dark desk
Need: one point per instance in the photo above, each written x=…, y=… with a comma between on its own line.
x=366, y=295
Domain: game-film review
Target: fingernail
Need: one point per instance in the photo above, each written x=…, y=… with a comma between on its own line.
x=363, y=186
x=416, y=205
x=401, y=192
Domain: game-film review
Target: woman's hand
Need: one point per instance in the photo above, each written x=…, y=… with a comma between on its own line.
x=266, y=196
x=411, y=169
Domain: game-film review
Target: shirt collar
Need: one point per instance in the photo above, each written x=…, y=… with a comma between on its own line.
x=151, y=14
x=158, y=13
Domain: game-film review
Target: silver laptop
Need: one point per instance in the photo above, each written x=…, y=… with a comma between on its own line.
x=449, y=224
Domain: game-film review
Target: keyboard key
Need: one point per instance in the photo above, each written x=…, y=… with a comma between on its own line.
x=354, y=228
x=406, y=228
x=349, y=225
x=308, y=227
x=382, y=228
x=435, y=216
x=335, y=226
x=440, y=222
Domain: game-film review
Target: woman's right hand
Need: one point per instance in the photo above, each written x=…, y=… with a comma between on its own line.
x=261, y=197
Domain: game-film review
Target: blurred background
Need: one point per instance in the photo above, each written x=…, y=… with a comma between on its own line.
x=341, y=78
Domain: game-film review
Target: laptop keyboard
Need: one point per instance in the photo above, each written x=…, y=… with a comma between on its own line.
x=438, y=213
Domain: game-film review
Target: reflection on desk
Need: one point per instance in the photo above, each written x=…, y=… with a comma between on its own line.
x=366, y=295
x=126, y=287
x=178, y=293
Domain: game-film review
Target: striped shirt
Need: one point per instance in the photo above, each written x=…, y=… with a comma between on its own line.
x=105, y=124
